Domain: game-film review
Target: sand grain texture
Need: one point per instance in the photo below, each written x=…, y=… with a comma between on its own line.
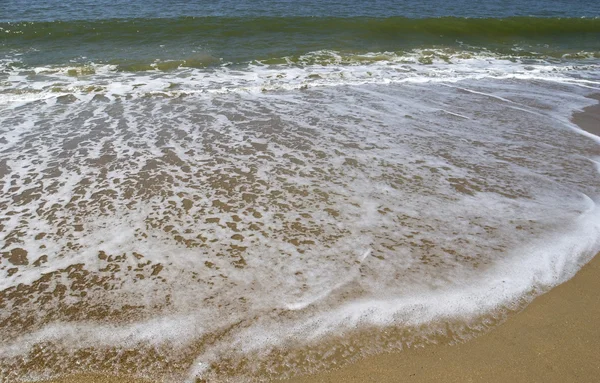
x=589, y=119
x=555, y=339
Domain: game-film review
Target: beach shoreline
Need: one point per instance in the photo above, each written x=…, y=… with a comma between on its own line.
x=589, y=118
x=553, y=339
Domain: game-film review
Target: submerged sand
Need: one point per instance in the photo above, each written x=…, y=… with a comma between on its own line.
x=554, y=339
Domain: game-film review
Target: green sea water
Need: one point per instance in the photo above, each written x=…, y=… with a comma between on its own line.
x=137, y=44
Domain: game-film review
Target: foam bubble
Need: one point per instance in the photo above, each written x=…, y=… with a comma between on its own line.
x=314, y=69
x=201, y=235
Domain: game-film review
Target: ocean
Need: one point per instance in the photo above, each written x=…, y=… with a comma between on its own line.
x=251, y=190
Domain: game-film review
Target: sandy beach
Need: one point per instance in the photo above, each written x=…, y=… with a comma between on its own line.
x=554, y=339
x=589, y=119
x=275, y=191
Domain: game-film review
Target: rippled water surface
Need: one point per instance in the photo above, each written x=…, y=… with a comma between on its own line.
x=47, y=10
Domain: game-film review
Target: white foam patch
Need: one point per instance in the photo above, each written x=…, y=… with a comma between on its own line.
x=315, y=69
x=256, y=220
x=166, y=330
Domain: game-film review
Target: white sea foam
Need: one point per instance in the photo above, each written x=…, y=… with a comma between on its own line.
x=315, y=69
x=232, y=223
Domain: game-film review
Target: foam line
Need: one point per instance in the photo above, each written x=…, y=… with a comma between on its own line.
x=191, y=213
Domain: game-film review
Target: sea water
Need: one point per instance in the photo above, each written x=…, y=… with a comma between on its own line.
x=251, y=190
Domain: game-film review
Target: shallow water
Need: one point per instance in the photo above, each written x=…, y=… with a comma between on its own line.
x=249, y=218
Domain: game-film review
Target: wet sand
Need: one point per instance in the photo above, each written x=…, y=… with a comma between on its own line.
x=589, y=119
x=554, y=339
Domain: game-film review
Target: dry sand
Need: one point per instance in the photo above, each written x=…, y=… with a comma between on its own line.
x=554, y=339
